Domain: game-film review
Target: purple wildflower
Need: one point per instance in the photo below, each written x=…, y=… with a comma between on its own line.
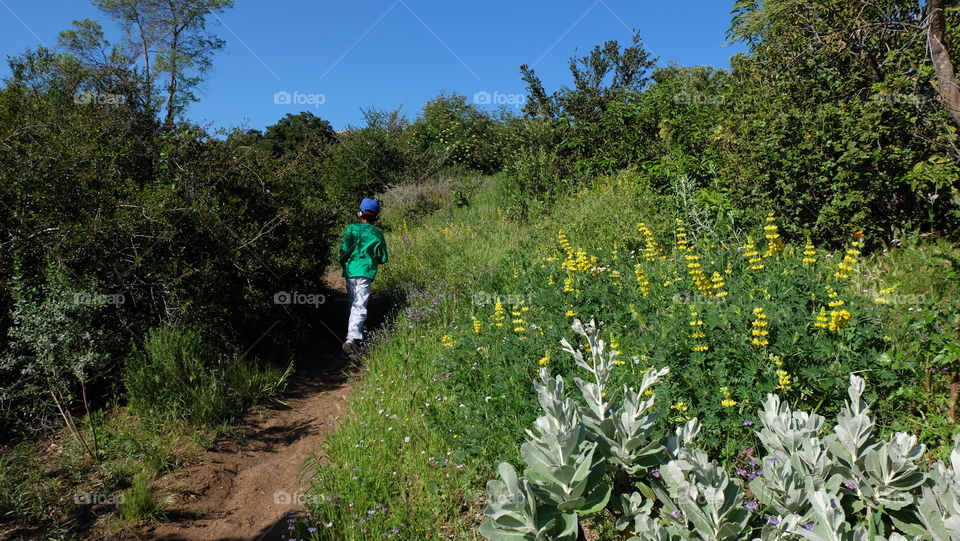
x=752, y=506
x=656, y=473
x=808, y=526
x=774, y=520
x=677, y=514
x=748, y=422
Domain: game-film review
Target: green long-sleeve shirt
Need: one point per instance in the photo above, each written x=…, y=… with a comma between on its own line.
x=363, y=249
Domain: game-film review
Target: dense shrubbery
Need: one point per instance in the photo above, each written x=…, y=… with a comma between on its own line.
x=834, y=133
x=183, y=227
x=178, y=227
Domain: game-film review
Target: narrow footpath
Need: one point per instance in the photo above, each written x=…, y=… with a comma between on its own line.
x=241, y=489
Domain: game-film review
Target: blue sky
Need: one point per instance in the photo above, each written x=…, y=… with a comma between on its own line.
x=335, y=58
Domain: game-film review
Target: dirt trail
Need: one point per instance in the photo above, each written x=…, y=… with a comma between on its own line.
x=240, y=489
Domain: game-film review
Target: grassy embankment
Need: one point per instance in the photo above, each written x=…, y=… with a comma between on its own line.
x=447, y=392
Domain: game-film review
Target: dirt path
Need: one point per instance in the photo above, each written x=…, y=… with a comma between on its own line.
x=240, y=489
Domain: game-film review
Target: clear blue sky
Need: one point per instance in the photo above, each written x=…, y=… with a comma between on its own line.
x=388, y=53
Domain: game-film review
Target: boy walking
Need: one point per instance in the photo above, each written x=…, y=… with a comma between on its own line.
x=363, y=250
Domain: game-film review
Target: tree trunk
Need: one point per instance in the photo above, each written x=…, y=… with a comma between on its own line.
x=172, y=86
x=148, y=79
x=940, y=56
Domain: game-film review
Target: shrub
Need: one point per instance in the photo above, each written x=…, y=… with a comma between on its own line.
x=451, y=133
x=55, y=353
x=846, y=484
x=189, y=229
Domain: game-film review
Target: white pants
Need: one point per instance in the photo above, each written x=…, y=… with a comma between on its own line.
x=358, y=290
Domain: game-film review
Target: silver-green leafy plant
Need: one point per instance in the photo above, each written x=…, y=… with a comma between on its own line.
x=843, y=485
x=564, y=475
x=938, y=506
x=699, y=495
x=621, y=429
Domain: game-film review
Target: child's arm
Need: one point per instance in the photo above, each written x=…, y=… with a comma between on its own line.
x=346, y=247
x=382, y=252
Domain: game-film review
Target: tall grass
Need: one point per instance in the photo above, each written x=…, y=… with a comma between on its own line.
x=181, y=374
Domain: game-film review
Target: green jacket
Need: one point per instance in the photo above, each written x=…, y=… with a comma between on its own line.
x=363, y=249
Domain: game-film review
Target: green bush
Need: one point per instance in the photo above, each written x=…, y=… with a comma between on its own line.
x=55, y=356
x=186, y=228
x=451, y=133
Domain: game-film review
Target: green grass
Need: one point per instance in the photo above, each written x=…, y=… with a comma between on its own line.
x=26, y=491
x=464, y=407
x=139, y=503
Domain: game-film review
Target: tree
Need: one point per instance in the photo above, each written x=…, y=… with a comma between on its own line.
x=940, y=56
x=292, y=131
x=604, y=75
x=171, y=40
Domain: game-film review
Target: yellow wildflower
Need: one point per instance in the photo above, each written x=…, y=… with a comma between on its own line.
x=499, y=315
x=822, y=319
x=784, y=380
x=772, y=234
x=839, y=320
x=759, y=328
x=651, y=250
x=849, y=261
x=642, y=279
x=545, y=360
x=752, y=255
x=809, y=253
x=681, y=236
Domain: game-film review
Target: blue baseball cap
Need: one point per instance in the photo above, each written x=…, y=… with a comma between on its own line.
x=369, y=207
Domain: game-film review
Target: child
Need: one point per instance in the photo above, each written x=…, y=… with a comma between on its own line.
x=363, y=249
